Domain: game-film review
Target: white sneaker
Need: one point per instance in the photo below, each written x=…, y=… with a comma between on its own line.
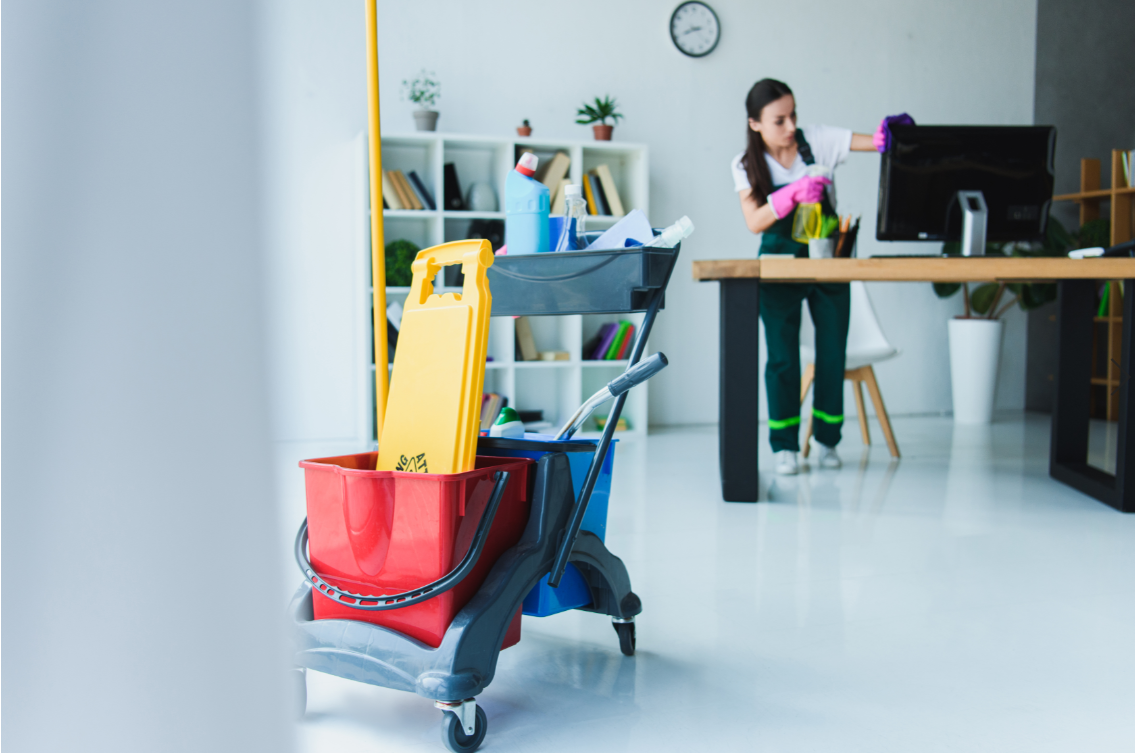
x=786, y=463
x=828, y=457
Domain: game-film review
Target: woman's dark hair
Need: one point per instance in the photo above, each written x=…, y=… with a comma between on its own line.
x=763, y=92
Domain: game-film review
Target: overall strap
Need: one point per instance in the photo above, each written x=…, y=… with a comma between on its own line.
x=804, y=148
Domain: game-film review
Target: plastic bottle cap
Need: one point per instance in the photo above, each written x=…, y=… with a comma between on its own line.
x=527, y=164
x=507, y=416
x=571, y=189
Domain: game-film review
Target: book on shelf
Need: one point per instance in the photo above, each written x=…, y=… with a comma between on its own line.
x=620, y=425
x=559, y=198
x=525, y=342
x=491, y=404
x=393, y=324
x=555, y=171
x=408, y=190
x=606, y=336
x=592, y=206
x=628, y=341
x=452, y=189
x=389, y=194
x=610, y=191
x=423, y=193
x=617, y=343
x=597, y=189
x=400, y=192
x=591, y=344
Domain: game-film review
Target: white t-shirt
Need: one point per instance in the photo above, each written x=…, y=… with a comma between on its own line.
x=830, y=147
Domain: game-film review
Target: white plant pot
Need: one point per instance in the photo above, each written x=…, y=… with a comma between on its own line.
x=425, y=120
x=975, y=350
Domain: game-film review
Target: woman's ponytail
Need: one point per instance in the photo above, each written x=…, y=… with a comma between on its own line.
x=763, y=92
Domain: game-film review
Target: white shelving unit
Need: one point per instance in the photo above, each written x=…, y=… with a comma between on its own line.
x=555, y=387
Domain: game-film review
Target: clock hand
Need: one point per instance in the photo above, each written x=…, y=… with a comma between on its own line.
x=690, y=31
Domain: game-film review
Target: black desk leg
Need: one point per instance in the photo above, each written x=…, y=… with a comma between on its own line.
x=738, y=414
x=1068, y=459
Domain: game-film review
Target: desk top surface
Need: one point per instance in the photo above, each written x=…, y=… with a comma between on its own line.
x=916, y=269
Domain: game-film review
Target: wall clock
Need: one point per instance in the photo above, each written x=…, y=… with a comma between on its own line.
x=695, y=29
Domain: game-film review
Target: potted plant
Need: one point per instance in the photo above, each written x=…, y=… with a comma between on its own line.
x=524, y=129
x=598, y=113
x=975, y=336
x=424, y=92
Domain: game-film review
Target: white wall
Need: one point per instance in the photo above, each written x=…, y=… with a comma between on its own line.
x=142, y=610
x=849, y=63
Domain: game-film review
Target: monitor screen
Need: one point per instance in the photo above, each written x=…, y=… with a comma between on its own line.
x=926, y=166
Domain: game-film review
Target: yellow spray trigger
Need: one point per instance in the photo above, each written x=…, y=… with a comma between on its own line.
x=433, y=413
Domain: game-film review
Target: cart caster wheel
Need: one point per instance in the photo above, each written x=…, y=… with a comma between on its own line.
x=454, y=737
x=300, y=689
x=626, y=637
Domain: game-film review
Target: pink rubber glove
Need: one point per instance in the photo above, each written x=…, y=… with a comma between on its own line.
x=807, y=190
x=882, y=137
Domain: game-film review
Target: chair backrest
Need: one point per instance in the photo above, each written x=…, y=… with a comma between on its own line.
x=865, y=337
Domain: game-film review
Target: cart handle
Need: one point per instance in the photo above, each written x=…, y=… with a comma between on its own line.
x=418, y=595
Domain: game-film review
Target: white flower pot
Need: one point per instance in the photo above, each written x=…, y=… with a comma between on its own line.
x=975, y=350
x=425, y=120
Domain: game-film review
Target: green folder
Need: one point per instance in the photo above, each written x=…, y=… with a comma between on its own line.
x=617, y=343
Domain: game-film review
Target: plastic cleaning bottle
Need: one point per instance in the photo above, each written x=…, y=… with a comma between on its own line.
x=508, y=425
x=807, y=222
x=673, y=235
x=575, y=219
x=526, y=205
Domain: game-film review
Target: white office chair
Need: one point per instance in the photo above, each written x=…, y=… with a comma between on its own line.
x=866, y=345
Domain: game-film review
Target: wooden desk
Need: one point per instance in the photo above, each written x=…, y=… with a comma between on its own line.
x=740, y=306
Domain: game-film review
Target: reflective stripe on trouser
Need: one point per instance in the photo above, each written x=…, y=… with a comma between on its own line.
x=830, y=306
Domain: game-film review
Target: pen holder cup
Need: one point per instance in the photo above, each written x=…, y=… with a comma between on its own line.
x=821, y=248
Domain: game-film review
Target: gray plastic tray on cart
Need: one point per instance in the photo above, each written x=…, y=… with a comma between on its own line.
x=579, y=282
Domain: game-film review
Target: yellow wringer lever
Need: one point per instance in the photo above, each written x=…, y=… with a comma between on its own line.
x=433, y=415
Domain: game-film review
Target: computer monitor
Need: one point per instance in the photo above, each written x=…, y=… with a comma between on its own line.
x=927, y=166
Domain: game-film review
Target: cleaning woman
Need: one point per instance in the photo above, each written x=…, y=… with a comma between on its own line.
x=772, y=177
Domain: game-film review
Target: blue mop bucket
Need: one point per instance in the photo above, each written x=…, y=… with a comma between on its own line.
x=573, y=593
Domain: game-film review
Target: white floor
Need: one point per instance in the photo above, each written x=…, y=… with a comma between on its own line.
x=956, y=600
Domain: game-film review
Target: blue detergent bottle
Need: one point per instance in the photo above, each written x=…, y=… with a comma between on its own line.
x=526, y=205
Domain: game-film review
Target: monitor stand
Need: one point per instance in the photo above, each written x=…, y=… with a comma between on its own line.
x=974, y=216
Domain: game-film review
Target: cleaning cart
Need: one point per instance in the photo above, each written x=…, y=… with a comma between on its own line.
x=460, y=555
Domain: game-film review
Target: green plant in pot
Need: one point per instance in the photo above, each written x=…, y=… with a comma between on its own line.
x=598, y=112
x=975, y=336
x=423, y=91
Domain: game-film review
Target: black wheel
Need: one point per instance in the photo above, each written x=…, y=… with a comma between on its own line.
x=453, y=734
x=626, y=637
x=300, y=690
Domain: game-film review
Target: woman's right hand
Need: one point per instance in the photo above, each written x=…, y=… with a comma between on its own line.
x=807, y=190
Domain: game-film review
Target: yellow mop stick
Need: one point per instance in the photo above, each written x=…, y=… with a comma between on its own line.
x=377, y=245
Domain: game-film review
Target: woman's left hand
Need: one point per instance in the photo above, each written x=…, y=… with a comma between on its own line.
x=882, y=137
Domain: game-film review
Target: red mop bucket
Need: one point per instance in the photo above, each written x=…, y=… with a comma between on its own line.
x=378, y=533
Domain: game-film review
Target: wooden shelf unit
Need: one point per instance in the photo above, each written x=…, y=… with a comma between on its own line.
x=1109, y=328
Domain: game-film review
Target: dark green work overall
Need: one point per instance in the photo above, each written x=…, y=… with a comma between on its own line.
x=830, y=306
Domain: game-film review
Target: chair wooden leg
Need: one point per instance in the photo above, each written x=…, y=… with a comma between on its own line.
x=806, y=381
x=857, y=388
x=880, y=410
x=806, y=384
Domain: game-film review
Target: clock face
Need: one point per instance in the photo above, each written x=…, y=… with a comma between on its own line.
x=694, y=29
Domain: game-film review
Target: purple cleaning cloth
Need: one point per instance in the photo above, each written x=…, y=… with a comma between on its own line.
x=892, y=120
